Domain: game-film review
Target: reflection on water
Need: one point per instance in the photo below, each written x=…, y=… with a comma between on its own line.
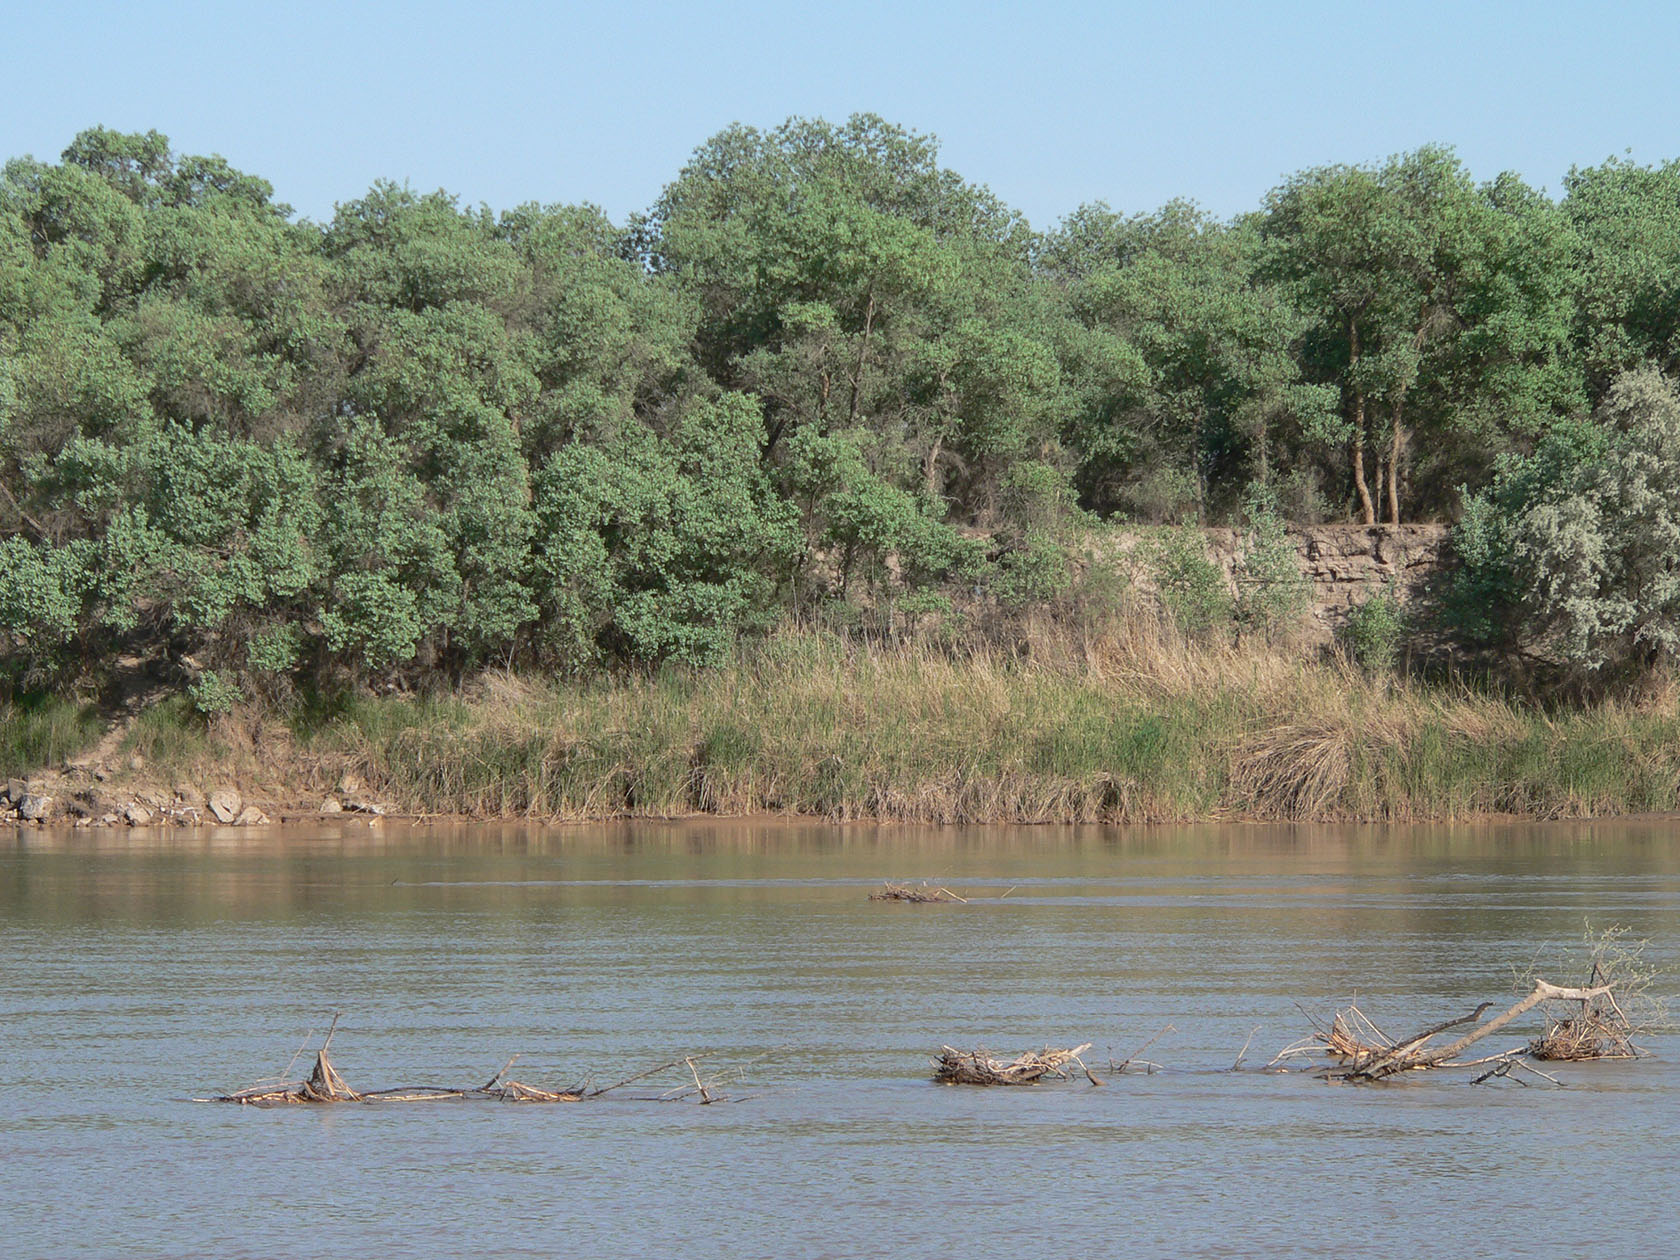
x=143, y=967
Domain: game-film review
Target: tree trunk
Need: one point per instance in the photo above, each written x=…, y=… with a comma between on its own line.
x=1397, y=445
x=1366, y=507
x=930, y=469
x=862, y=358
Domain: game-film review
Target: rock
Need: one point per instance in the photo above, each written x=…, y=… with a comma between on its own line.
x=251, y=816
x=16, y=790
x=225, y=804
x=331, y=806
x=137, y=815
x=108, y=820
x=154, y=801
x=35, y=807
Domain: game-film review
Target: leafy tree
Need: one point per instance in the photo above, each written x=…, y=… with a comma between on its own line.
x=1205, y=382
x=1570, y=553
x=610, y=345
x=661, y=549
x=1394, y=262
x=1627, y=303
x=856, y=286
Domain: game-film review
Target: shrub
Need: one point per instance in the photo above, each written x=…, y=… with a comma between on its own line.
x=1191, y=586
x=1570, y=552
x=1272, y=592
x=212, y=694
x=1374, y=632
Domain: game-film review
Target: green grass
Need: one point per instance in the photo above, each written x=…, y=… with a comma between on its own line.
x=42, y=731
x=171, y=734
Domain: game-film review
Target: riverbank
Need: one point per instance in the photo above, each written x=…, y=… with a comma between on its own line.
x=1131, y=726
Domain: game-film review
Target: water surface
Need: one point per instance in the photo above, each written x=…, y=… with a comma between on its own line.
x=143, y=968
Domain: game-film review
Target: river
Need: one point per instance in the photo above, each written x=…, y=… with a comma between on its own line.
x=143, y=969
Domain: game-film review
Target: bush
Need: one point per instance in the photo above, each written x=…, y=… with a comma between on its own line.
x=1374, y=632
x=212, y=694
x=1569, y=554
x=1191, y=586
x=1272, y=592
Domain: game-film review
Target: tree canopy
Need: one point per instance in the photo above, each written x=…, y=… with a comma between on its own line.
x=822, y=372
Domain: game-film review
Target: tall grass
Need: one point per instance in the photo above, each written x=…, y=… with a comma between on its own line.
x=1134, y=724
x=43, y=731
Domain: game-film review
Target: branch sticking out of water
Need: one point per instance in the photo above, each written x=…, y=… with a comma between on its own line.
x=324, y=1085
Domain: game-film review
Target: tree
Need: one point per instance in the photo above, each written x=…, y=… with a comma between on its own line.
x=1627, y=219
x=1212, y=381
x=1570, y=553
x=1379, y=256
x=858, y=287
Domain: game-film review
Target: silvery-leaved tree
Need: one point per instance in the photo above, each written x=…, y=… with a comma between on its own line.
x=1573, y=553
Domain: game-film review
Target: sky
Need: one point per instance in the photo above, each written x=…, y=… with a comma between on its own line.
x=1051, y=105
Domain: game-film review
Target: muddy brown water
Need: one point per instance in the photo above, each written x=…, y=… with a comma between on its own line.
x=140, y=969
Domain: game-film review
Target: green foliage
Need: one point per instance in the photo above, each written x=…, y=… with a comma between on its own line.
x=1272, y=592
x=1570, y=552
x=662, y=549
x=275, y=649
x=1189, y=380
x=1438, y=309
x=1189, y=583
x=824, y=376
x=213, y=695
x=1374, y=632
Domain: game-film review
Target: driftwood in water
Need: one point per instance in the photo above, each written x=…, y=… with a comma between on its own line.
x=1595, y=1020
x=1415, y=1054
x=918, y=895
x=325, y=1085
x=977, y=1067
x=1595, y=1027
x=1366, y=1053
x=1135, y=1059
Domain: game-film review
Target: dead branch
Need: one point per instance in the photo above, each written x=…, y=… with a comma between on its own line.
x=1136, y=1055
x=919, y=895
x=1243, y=1053
x=977, y=1067
x=325, y=1085
x=1374, y=1063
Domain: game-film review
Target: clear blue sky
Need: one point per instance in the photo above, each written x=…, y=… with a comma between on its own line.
x=1052, y=104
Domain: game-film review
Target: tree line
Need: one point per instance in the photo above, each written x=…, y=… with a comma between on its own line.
x=820, y=373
